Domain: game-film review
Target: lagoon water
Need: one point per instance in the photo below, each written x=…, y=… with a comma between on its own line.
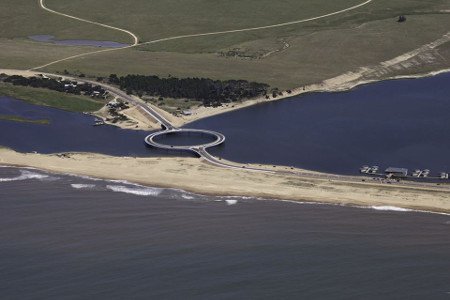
x=65, y=237
x=400, y=123
x=66, y=132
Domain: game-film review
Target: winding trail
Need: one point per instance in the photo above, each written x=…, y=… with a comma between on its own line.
x=135, y=38
x=136, y=41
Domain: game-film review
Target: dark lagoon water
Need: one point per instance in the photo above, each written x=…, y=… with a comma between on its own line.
x=51, y=39
x=184, y=139
x=67, y=131
x=401, y=123
x=64, y=237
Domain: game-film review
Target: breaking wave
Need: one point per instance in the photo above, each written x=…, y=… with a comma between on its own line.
x=25, y=175
x=138, y=191
x=187, y=197
x=231, y=201
x=80, y=186
x=391, y=208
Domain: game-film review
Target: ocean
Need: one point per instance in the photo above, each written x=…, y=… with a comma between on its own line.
x=68, y=237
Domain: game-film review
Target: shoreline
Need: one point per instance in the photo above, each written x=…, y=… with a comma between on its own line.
x=243, y=197
x=322, y=87
x=332, y=85
x=195, y=176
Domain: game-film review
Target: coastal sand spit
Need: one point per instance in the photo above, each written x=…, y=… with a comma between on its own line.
x=193, y=175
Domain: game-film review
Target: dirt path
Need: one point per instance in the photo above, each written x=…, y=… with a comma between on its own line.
x=135, y=38
x=136, y=42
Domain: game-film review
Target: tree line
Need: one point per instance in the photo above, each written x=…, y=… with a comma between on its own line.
x=55, y=85
x=210, y=92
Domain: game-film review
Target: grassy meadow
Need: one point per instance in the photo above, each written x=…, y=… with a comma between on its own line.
x=158, y=19
x=23, y=18
x=50, y=98
x=335, y=52
x=285, y=57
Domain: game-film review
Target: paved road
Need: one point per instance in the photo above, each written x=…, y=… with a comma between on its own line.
x=148, y=110
x=141, y=105
x=219, y=139
x=136, y=43
x=207, y=157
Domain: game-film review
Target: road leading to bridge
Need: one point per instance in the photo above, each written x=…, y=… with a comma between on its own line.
x=140, y=104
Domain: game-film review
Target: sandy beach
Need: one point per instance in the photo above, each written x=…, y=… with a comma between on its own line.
x=193, y=175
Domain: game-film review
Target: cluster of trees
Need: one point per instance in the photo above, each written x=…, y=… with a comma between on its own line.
x=56, y=85
x=210, y=92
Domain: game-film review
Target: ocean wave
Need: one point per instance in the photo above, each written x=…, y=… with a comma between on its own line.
x=231, y=201
x=187, y=197
x=80, y=186
x=138, y=191
x=390, y=208
x=25, y=175
x=238, y=197
x=374, y=207
x=227, y=201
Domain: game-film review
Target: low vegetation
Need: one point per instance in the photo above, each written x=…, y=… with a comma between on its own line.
x=318, y=50
x=56, y=85
x=23, y=120
x=45, y=97
x=209, y=92
x=174, y=106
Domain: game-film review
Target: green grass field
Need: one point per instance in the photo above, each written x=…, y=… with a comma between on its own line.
x=334, y=53
x=50, y=98
x=22, y=18
x=316, y=50
x=158, y=19
x=24, y=54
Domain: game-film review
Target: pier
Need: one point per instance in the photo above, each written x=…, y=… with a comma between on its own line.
x=402, y=173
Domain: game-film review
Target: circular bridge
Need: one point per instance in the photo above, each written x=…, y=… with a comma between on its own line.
x=219, y=139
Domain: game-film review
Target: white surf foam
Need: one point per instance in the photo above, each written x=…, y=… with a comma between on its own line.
x=231, y=201
x=141, y=191
x=80, y=186
x=391, y=208
x=25, y=175
x=187, y=197
x=238, y=197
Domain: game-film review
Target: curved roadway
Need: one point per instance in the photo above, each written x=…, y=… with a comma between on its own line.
x=141, y=105
x=150, y=139
x=136, y=41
